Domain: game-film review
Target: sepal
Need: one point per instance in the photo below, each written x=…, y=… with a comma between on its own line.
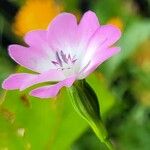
x=85, y=102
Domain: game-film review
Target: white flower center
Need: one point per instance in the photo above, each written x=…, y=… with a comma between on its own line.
x=64, y=62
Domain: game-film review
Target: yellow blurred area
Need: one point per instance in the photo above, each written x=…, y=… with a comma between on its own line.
x=116, y=21
x=35, y=14
x=145, y=98
x=142, y=58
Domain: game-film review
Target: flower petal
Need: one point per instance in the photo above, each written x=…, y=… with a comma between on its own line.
x=24, y=80
x=15, y=81
x=51, y=75
x=62, y=31
x=103, y=38
x=98, y=59
x=89, y=24
x=29, y=58
x=36, y=38
x=87, y=27
x=52, y=90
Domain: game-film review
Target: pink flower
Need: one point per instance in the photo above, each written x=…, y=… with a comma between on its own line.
x=63, y=53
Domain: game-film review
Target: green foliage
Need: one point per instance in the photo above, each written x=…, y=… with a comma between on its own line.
x=133, y=134
x=100, y=8
x=70, y=6
x=5, y=71
x=43, y=124
x=18, y=2
x=47, y=124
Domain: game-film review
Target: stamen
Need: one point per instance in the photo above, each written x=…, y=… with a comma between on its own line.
x=55, y=63
x=73, y=61
x=64, y=61
x=63, y=56
x=58, y=59
x=69, y=57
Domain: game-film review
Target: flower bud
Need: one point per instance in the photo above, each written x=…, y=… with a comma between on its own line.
x=85, y=102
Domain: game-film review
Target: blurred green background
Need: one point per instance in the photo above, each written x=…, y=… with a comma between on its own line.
x=122, y=84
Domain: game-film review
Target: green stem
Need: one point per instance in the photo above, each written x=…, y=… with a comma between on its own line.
x=109, y=144
x=102, y=134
